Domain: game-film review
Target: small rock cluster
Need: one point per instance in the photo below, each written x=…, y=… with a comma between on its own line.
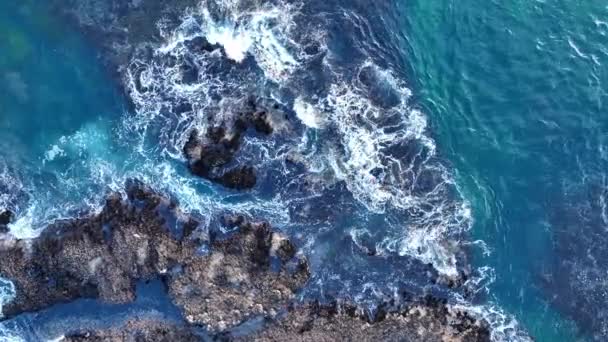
x=212, y=156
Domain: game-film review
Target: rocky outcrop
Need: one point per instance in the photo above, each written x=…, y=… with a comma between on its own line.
x=426, y=321
x=237, y=283
x=212, y=156
x=252, y=271
x=6, y=217
x=144, y=330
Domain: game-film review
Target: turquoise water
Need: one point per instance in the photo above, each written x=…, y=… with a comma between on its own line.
x=51, y=82
x=513, y=93
x=516, y=94
x=52, y=92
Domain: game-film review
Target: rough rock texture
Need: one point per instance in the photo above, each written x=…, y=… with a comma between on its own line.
x=251, y=273
x=102, y=256
x=138, y=331
x=247, y=273
x=429, y=321
x=212, y=156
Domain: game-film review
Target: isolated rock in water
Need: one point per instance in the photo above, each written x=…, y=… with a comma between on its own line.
x=145, y=330
x=247, y=273
x=5, y=217
x=212, y=156
x=418, y=322
x=239, y=178
x=200, y=44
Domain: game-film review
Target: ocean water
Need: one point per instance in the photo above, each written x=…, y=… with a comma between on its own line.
x=422, y=140
x=516, y=92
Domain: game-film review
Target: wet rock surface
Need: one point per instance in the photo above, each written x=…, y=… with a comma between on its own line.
x=223, y=281
x=103, y=256
x=212, y=156
x=5, y=218
x=430, y=321
x=138, y=331
x=424, y=321
x=255, y=272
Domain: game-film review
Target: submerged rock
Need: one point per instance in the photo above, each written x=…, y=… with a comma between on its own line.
x=103, y=257
x=574, y=279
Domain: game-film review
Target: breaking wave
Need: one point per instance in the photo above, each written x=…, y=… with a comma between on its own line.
x=360, y=143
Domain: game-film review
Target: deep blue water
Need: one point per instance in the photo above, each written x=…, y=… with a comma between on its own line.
x=418, y=129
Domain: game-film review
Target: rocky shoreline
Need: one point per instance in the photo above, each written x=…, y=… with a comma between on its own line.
x=237, y=283
x=221, y=281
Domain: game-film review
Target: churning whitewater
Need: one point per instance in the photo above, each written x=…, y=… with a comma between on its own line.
x=352, y=166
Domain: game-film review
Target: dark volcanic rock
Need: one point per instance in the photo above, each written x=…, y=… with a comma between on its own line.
x=212, y=156
x=105, y=255
x=101, y=256
x=200, y=44
x=424, y=321
x=136, y=331
x=5, y=217
x=239, y=178
x=418, y=322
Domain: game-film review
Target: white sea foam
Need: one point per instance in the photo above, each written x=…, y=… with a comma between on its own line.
x=368, y=132
x=369, y=136
x=10, y=185
x=243, y=29
x=52, y=153
x=307, y=113
x=7, y=293
x=503, y=327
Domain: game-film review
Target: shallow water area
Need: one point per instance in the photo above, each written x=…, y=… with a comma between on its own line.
x=56, y=105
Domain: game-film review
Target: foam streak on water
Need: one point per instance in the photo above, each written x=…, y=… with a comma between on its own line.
x=357, y=137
